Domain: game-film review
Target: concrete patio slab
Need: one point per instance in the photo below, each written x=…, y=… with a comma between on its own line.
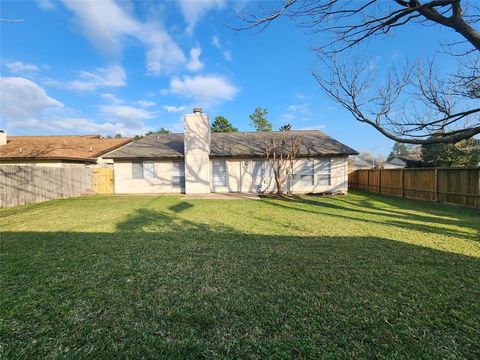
x=220, y=196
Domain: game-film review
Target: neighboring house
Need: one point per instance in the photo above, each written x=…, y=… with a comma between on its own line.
x=57, y=151
x=400, y=162
x=359, y=164
x=198, y=161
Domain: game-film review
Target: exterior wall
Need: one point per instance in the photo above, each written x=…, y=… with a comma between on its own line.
x=240, y=178
x=395, y=163
x=161, y=182
x=46, y=163
x=197, y=150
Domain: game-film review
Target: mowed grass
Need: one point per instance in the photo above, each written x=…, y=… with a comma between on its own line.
x=360, y=276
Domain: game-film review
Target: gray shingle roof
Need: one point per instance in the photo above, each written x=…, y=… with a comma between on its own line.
x=239, y=144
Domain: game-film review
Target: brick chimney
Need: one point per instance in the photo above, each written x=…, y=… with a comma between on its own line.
x=3, y=137
x=197, y=151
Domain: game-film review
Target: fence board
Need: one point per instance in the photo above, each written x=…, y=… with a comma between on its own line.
x=20, y=185
x=455, y=186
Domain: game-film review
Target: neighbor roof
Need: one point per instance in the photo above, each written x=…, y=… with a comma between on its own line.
x=85, y=148
x=235, y=144
x=410, y=160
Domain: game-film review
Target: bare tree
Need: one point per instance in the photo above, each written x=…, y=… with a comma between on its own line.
x=281, y=152
x=415, y=104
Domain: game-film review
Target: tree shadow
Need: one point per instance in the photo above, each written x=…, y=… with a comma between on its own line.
x=165, y=285
x=394, y=217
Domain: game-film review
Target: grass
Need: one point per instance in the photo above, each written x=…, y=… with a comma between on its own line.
x=360, y=276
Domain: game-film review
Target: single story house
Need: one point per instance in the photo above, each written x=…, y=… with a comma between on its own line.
x=198, y=161
x=57, y=151
x=400, y=162
x=359, y=164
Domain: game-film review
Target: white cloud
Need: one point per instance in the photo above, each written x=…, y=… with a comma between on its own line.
x=113, y=76
x=107, y=24
x=23, y=99
x=46, y=4
x=146, y=103
x=192, y=11
x=174, y=109
x=227, y=55
x=125, y=113
x=298, y=111
x=112, y=98
x=216, y=42
x=204, y=89
x=195, y=64
x=313, y=127
x=19, y=67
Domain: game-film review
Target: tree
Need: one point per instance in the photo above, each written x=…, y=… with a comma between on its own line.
x=222, y=125
x=259, y=121
x=465, y=153
x=412, y=102
x=280, y=153
x=398, y=149
x=161, y=131
x=286, y=127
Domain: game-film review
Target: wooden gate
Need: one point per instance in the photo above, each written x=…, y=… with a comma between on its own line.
x=102, y=179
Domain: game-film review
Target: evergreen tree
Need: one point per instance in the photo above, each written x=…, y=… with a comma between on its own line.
x=222, y=125
x=259, y=121
x=398, y=149
x=465, y=153
x=286, y=127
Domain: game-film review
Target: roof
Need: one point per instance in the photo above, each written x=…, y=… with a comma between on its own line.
x=86, y=148
x=409, y=160
x=235, y=144
x=362, y=162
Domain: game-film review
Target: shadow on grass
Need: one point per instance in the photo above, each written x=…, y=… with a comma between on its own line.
x=362, y=211
x=163, y=287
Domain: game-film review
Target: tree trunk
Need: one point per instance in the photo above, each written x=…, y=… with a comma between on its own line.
x=279, y=186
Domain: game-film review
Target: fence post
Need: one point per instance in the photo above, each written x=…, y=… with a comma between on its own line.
x=402, y=183
x=379, y=181
x=436, y=185
x=368, y=179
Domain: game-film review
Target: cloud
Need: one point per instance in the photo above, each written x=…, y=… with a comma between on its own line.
x=296, y=111
x=125, y=113
x=20, y=67
x=106, y=24
x=195, y=64
x=204, y=89
x=23, y=99
x=174, y=109
x=146, y=103
x=112, y=98
x=113, y=76
x=46, y=4
x=216, y=42
x=227, y=55
x=192, y=11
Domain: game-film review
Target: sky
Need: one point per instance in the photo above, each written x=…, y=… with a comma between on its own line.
x=106, y=67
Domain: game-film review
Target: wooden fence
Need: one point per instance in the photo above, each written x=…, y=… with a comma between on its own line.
x=20, y=185
x=455, y=186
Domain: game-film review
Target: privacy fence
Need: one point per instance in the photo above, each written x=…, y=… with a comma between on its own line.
x=455, y=186
x=20, y=185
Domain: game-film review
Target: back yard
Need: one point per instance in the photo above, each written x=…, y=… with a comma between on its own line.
x=131, y=277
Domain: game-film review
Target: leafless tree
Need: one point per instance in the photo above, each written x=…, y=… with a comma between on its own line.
x=414, y=104
x=281, y=152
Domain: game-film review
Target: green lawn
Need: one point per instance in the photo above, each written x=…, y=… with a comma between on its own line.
x=360, y=276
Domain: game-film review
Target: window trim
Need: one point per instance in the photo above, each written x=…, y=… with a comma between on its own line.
x=174, y=174
x=133, y=170
x=224, y=183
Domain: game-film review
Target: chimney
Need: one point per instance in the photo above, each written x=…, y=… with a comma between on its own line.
x=3, y=137
x=197, y=152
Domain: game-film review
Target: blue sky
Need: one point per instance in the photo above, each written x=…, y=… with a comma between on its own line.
x=108, y=67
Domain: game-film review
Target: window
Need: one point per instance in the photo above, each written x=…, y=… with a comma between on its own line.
x=137, y=170
x=306, y=173
x=261, y=169
x=142, y=169
x=178, y=174
x=323, y=172
x=219, y=169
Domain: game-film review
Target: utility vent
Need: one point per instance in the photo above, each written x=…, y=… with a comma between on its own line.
x=91, y=148
x=21, y=149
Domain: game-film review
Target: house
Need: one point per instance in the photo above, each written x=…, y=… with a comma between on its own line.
x=359, y=164
x=198, y=161
x=400, y=162
x=57, y=151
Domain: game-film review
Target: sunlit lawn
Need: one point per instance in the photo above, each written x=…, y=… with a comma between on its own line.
x=360, y=276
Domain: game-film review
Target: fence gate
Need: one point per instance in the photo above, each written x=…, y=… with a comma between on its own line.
x=102, y=179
